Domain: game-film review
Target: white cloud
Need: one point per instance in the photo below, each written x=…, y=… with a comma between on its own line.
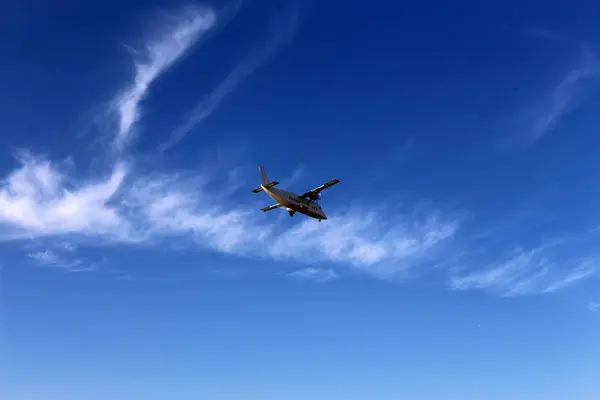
x=372, y=240
x=182, y=205
x=49, y=258
x=528, y=272
x=594, y=306
x=282, y=30
x=167, y=205
x=177, y=34
x=296, y=175
x=565, y=97
x=315, y=274
x=40, y=200
x=68, y=246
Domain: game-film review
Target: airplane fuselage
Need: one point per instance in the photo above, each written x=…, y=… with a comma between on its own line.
x=295, y=203
x=305, y=203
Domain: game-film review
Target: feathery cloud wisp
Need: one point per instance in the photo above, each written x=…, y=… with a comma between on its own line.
x=49, y=258
x=566, y=96
x=282, y=31
x=177, y=35
x=594, y=306
x=528, y=272
x=316, y=274
x=370, y=241
x=169, y=206
x=39, y=200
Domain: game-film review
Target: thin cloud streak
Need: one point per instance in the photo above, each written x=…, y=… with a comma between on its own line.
x=49, y=258
x=178, y=33
x=314, y=274
x=369, y=240
x=567, y=95
x=535, y=271
x=283, y=30
x=296, y=175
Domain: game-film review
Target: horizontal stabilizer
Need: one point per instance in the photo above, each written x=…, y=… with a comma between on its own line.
x=269, y=208
x=268, y=185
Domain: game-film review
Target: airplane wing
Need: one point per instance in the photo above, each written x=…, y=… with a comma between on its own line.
x=314, y=194
x=269, y=208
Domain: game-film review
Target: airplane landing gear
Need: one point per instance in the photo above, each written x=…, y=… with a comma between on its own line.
x=319, y=219
x=291, y=213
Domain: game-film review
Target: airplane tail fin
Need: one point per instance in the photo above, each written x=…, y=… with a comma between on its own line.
x=264, y=181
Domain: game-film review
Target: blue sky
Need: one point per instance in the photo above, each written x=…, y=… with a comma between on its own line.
x=460, y=257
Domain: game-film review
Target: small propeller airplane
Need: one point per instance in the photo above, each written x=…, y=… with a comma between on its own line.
x=305, y=203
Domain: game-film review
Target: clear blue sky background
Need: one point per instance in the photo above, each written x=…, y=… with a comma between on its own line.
x=460, y=257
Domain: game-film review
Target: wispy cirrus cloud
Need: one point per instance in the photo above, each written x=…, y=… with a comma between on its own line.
x=177, y=33
x=296, y=175
x=314, y=274
x=570, y=91
x=535, y=271
x=182, y=205
x=50, y=258
x=39, y=200
x=282, y=30
x=566, y=96
x=369, y=240
x=594, y=306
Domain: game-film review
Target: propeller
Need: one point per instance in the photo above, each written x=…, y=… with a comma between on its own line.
x=315, y=197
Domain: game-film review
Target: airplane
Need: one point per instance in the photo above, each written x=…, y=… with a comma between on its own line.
x=305, y=203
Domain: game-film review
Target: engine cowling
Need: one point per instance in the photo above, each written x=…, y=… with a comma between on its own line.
x=314, y=197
